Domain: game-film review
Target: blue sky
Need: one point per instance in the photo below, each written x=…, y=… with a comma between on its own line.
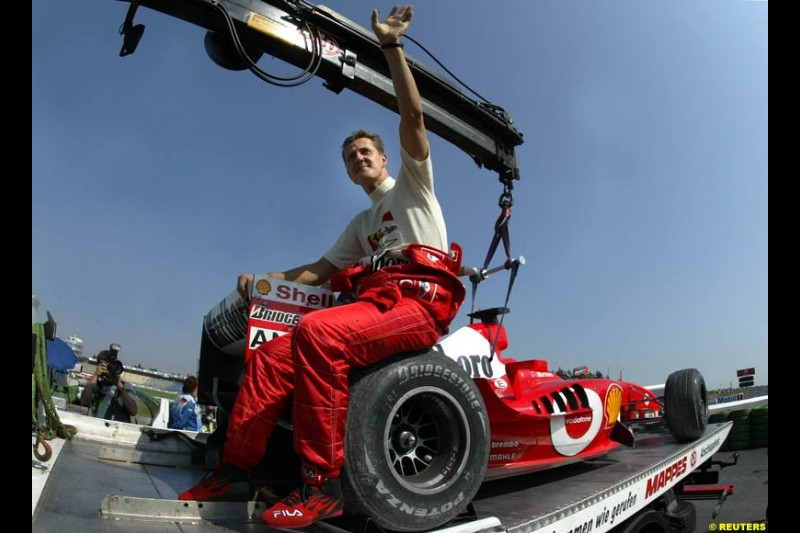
x=642, y=210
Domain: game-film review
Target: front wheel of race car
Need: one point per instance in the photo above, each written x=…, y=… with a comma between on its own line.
x=686, y=405
x=417, y=442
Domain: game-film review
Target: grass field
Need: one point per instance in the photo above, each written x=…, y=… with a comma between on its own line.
x=149, y=400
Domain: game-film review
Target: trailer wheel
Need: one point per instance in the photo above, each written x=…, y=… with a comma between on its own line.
x=686, y=405
x=649, y=521
x=417, y=442
x=683, y=518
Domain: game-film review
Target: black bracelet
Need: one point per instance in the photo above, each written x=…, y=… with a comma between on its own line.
x=386, y=46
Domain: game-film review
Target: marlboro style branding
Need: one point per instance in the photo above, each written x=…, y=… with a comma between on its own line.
x=276, y=307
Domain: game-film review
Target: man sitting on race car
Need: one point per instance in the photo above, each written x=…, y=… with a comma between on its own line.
x=392, y=256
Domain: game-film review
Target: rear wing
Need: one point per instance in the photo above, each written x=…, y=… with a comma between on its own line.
x=344, y=54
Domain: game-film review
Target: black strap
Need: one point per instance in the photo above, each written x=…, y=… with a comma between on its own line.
x=500, y=233
x=511, y=278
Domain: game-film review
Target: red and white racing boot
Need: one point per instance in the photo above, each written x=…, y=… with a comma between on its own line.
x=317, y=499
x=229, y=484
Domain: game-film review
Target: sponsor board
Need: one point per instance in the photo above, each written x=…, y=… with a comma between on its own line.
x=505, y=451
x=505, y=444
x=662, y=478
x=711, y=447
x=730, y=398
x=624, y=502
x=473, y=352
x=276, y=307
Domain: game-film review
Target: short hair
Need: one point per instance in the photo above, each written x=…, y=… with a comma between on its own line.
x=364, y=134
x=189, y=384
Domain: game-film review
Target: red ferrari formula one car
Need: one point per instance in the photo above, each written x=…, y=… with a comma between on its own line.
x=424, y=430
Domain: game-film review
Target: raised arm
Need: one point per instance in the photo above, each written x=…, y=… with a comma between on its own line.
x=413, y=137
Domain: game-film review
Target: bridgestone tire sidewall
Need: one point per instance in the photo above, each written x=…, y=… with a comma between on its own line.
x=370, y=483
x=686, y=406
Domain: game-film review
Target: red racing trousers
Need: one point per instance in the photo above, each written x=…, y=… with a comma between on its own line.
x=312, y=363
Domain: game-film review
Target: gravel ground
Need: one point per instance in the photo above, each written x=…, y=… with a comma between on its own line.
x=746, y=508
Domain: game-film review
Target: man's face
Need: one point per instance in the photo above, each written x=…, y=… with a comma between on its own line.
x=364, y=162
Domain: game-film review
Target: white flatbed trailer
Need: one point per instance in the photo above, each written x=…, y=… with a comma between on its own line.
x=116, y=475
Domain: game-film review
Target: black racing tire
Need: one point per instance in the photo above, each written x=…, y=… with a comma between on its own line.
x=416, y=444
x=686, y=404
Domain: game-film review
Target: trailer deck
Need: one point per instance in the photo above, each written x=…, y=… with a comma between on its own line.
x=115, y=475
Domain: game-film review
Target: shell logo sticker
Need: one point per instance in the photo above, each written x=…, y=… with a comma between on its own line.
x=613, y=404
x=263, y=287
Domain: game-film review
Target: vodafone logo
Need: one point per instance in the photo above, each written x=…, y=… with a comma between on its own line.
x=571, y=434
x=577, y=426
x=578, y=420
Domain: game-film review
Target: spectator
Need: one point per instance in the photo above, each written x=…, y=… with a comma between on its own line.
x=106, y=393
x=183, y=414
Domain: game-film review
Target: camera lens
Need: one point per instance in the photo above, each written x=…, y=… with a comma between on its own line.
x=114, y=368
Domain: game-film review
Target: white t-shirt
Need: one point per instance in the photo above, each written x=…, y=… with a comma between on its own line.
x=404, y=211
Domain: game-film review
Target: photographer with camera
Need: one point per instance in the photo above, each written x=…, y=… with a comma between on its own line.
x=106, y=394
